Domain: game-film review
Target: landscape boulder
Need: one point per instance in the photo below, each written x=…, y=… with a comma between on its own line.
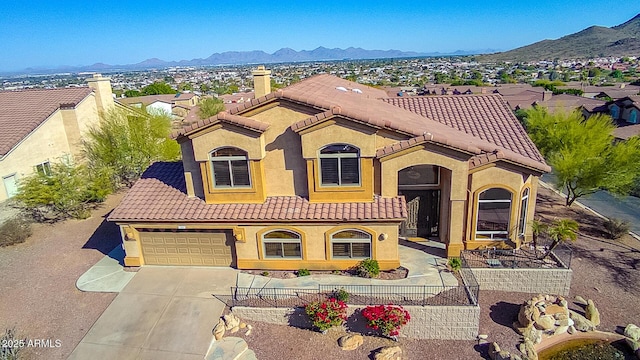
x=350, y=342
x=388, y=353
x=219, y=329
x=580, y=322
x=592, y=313
x=231, y=321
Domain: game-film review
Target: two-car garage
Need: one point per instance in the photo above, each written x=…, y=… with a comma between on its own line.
x=187, y=247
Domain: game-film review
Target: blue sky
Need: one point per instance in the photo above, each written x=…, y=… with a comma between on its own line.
x=54, y=33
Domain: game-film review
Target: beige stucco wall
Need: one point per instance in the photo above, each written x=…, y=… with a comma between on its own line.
x=315, y=246
x=285, y=169
x=46, y=143
x=228, y=135
x=340, y=132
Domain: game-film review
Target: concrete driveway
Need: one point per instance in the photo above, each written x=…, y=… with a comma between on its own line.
x=163, y=313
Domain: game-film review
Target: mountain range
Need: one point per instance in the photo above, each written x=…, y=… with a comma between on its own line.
x=283, y=55
x=592, y=42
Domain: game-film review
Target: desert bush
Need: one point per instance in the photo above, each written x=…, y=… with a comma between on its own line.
x=327, y=314
x=10, y=345
x=455, y=264
x=14, y=231
x=303, y=272
x=615, y=228
x=386, y=318
x=368, y=268
x=341, y=294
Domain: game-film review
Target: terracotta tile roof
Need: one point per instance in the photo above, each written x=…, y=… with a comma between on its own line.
x=160, y=195
x=567, y=102
x=483, y=159
x=21, y=112
x=484, y=116
x=626, y=131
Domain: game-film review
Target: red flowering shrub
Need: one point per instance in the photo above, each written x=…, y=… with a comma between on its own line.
x=327, y=314
x=386, y=318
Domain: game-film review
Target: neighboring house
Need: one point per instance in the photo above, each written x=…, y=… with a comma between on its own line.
x=568, y=103
x=170, y=104
x=38, y=127
x=626, y=113
x=327, y=172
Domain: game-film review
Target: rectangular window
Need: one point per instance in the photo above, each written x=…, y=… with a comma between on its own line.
x=282, y=249
x=240, y=172
x=329, y=171
x=351, y=250
x=349, y=171
x=44, y=168
x=221, y=174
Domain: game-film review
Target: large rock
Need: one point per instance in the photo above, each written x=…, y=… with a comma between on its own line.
x=218, y=330
x=580, y=322
x=635, y=345
x=350, y=342
x=528, y=314
x=581, y=301
x=388, y=353
x=555, y=309
x=592, y=313
x=529, y=350
x=231, y=321
x=532, y=334
x=632, y=331
x=545, y=322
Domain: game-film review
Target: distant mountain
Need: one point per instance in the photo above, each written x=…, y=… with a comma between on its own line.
x=256, y=57
x=594, y=41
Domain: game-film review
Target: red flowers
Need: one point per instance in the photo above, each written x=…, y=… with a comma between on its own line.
x=327, y=314
x=388, y=318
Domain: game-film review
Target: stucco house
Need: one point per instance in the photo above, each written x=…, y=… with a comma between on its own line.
x=41, y=126
x=169, y=104
x=327, y=172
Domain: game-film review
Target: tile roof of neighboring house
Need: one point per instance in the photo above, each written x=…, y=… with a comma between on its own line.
x=618, y=93
x=160, y=195
x=21, y=112
x=626, y=131
x=149, y=99
x=567, y=102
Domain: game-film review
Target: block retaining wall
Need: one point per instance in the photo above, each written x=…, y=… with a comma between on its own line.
x=427, y=322
x=544, y=281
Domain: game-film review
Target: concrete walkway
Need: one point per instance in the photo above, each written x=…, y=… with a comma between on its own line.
x=162, y=313
x=424, y=270
x=107, y=275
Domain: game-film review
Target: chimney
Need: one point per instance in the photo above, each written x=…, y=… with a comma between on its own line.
x=261, y=81
x=546, y=95
x=102, y=88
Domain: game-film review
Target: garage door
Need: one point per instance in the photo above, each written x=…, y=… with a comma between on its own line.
x=187, y=248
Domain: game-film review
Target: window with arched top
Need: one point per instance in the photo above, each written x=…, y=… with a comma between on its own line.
x=339, y=165
x=633, y=116
x=351, y=244
x=524, y=207
x=280, y=244
x=230, y=168
x=614, y=111
x=493, y=214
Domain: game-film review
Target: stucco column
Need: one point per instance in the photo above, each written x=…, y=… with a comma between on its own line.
x=457, y=211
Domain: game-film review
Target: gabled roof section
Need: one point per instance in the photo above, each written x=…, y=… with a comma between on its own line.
x=21, y=112
x=484, y=116
x=160, y=195
x=224, y=117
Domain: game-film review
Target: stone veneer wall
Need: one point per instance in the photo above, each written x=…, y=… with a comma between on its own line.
x=427, y=322
x=542, y=281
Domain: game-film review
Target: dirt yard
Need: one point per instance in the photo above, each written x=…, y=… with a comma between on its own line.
x=38, y=296
x=606, y=271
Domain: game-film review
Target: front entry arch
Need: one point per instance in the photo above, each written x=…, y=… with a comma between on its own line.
x=420, y=185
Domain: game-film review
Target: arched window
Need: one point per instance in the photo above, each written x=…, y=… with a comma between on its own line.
x=633, y=116
x=339, y=165
x=614, y=111
x=282, y=244
x=230, y=168
x=351, y=244
x=494, y=212
x=524, y=207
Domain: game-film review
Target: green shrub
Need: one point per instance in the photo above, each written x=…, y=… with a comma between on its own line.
x=615, y=228
x=14, y=231
x=327, y=314
x=10, y=346
x=455, y=264
x=368, y=268
x=341, y=294
x=303, y=272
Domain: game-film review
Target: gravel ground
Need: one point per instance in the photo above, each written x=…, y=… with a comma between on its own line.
x=604, y=270
x=38, y=296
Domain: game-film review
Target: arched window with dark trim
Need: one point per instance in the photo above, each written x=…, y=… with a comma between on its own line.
x=493, y=215
x=279, y=244
x=339, y=165
x=351, y=244
x=230, y=168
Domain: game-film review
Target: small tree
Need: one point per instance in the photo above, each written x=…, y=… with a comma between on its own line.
x=157, y=88
x=582, y=152
x=537, y=228
x=560, y=231
x=210, y=107
x=69, y=191
x=126, y=143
